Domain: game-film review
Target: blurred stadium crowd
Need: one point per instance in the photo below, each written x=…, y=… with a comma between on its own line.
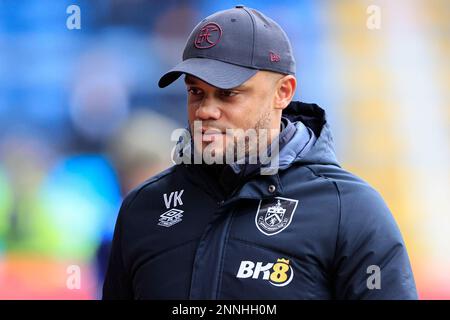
x=82, y=121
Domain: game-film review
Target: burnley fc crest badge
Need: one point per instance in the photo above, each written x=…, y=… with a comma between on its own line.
x=274, y=215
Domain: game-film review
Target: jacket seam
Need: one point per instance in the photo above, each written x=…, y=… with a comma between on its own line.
x=339, y=210
x=222, y=259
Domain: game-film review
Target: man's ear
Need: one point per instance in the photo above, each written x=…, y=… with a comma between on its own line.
x=285, y=89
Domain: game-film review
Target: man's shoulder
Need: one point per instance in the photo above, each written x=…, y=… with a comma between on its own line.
x=361, y=208
x=353, y=192
x=340, y=176
x=146, y=189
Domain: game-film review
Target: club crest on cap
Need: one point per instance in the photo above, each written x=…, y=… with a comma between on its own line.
x=208, y=36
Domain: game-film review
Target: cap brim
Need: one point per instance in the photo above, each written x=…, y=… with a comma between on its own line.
x=216, y=73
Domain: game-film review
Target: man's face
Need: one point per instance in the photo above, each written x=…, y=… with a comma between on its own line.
x=249, y=106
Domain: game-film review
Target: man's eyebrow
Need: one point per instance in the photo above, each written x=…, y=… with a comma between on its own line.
x=189, y=81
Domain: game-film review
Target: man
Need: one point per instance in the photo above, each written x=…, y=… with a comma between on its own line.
x=305, y=230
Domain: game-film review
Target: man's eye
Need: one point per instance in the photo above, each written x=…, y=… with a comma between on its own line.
x=194, y=91
x=228, y=93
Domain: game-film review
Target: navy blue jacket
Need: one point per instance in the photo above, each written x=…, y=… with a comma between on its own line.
x=311, y=231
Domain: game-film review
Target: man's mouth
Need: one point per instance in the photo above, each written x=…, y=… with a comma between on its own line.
x=211, y=134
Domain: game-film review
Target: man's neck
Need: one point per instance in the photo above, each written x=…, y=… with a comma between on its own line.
x=230, y=176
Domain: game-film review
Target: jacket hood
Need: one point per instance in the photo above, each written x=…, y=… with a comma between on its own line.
x=314, y=118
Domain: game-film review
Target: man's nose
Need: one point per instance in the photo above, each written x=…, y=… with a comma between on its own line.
x=208, y=109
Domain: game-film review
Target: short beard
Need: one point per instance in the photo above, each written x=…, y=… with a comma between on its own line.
x=244, y=147
x=252, y=148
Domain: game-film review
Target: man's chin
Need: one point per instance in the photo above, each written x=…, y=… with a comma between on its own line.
x=211, y=154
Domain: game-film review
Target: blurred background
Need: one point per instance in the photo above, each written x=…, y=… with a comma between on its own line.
x=82, y=121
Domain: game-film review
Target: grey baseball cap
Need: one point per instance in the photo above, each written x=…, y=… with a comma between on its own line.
x=229, y=47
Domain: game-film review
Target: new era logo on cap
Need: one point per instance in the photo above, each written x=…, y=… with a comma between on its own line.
x=274, y=57
x=228, y=47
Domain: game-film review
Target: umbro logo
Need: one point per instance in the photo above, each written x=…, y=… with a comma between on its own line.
x=171, y=217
